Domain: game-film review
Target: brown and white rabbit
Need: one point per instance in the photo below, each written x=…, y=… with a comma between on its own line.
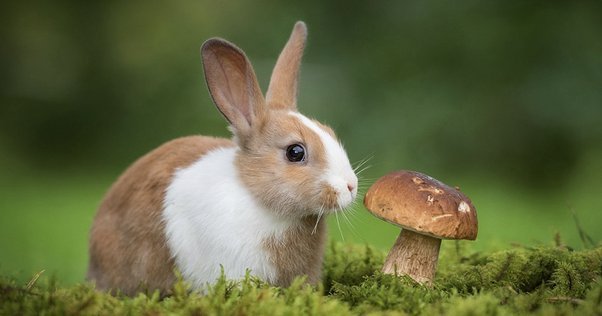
x=198, y=203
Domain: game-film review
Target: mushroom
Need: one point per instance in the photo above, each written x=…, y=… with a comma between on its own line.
x=427, y=211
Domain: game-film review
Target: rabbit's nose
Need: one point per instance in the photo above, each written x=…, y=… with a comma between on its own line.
x=350, y=187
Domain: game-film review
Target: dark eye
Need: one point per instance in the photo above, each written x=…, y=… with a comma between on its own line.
x=295, y=153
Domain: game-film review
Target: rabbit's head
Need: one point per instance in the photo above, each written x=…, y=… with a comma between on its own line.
x=293, y=165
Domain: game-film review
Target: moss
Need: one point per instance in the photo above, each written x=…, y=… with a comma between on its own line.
x=522, y=280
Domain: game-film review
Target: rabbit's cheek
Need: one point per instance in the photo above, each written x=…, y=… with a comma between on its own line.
x=329, y=197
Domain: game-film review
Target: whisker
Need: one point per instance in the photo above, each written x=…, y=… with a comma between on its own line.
x=366, y=181
x=363, y=169
x=354, y=231
x=339, y=225
x=354, y=215
x=362, y=162
x=346, y=218
x=352, y=209
x=320, y=213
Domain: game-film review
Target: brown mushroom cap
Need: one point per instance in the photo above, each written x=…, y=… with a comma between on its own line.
x=422, y=204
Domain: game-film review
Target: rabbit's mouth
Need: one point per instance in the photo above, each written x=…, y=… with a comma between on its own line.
x=339, y=196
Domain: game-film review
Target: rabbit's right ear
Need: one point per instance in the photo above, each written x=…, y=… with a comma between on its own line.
x=233, y=85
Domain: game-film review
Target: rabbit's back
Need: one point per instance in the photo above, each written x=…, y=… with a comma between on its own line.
x=127, y=240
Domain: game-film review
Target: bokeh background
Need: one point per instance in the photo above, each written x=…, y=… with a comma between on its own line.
x=501, y=98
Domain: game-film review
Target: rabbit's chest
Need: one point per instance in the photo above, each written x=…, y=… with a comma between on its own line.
x=212, y=222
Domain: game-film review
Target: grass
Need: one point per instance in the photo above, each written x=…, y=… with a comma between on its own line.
x=553, y=280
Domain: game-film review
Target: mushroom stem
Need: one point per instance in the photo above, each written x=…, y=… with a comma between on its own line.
x=415, y=255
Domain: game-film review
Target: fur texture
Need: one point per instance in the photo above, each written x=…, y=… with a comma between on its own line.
x=128, y=249
x=213, y=221
x=199, y=204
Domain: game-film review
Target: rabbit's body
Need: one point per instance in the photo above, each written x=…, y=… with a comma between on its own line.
x=213, y=221
x=197, y=204
x=128, y=248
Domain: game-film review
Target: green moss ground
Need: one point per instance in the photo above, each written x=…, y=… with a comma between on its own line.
x=543, y=280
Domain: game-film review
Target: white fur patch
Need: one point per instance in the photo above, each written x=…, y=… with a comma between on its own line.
x=339, y=173
x=211, y=220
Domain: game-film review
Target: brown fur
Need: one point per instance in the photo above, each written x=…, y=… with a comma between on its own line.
x=268, y=175
x=264, y=133
x=233, y=86
x=298, y=252
x=127, y=241
x=282, y=92
x=128, y=249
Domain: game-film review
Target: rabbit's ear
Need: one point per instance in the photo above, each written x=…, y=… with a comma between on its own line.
x=232, y=84
x=282, y=92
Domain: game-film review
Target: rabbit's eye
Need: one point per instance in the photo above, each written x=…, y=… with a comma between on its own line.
x=295, y=153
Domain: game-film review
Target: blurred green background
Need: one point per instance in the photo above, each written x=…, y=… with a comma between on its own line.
x=501, y=98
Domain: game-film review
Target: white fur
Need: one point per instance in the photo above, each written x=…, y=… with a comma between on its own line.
x=211, y=220
x=339, y=173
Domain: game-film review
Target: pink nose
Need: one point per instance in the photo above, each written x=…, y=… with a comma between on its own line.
x=350, y=187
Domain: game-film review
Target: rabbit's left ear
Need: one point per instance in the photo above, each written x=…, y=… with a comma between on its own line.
x=282, y=92
x=232, y=85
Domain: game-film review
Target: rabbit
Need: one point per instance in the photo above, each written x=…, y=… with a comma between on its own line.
x=199, y=204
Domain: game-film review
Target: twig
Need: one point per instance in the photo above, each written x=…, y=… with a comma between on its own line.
x=571, y=300
x=33, y=280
